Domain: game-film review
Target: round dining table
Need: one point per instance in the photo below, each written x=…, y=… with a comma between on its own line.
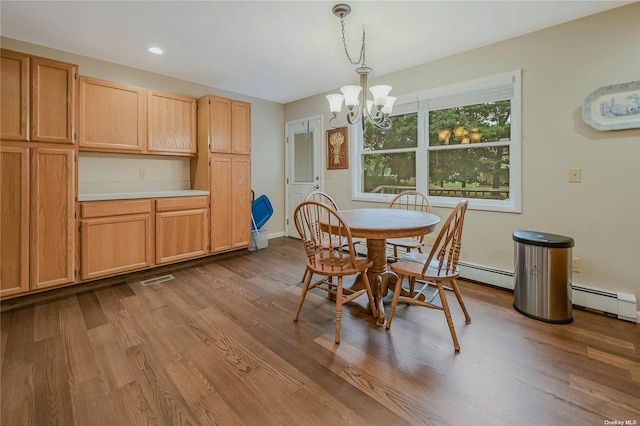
x=378, y=224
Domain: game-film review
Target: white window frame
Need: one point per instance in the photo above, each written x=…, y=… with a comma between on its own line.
x=463, y=93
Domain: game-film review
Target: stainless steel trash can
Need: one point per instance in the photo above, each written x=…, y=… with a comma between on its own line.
x=543, y=276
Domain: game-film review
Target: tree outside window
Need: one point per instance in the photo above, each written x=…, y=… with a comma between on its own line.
x=472, y=158
x=389, y=157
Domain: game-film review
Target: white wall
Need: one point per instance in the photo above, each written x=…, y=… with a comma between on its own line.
x=561, y=66
x=267, y=131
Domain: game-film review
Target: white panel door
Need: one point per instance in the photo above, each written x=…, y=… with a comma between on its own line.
x=304, y=164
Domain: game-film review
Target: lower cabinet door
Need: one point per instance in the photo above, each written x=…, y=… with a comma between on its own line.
x=14, y=220
x=113, y=245
x=181, y=235
x=221, y=210
x=53, y=223
x=230, y=202
x=241, y=202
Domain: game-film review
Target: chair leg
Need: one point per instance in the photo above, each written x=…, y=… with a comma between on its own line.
x=305, y=288
x=394, y=301
x=372, y=302
x=447, y=314
x=331, y=293
x=338, y=309
x=456, y=290
x=304, y=276
x=412, y=285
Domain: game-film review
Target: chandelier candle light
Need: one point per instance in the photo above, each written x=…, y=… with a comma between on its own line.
x=355, y=97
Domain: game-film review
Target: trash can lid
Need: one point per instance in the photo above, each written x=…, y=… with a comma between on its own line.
x=542, y=239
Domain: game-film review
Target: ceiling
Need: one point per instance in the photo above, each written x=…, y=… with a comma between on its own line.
x=280, y=51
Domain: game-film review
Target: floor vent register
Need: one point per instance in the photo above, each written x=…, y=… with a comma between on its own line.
x=157, y=280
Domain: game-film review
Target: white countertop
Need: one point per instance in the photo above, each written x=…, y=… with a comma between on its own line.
x=132, y=195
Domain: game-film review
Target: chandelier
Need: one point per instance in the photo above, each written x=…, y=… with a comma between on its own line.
x=360, y=108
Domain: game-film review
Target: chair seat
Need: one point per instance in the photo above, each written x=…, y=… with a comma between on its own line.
x=339, y=267
x=408, y=242
x=412, y=264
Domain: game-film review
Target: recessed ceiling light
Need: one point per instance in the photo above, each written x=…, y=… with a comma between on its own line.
x=156, y=50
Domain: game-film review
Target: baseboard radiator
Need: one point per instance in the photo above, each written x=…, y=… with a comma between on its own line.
x=621, y=305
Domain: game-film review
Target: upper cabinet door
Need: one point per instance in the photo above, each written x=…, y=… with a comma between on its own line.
x=228, y=125
x=113, y=117
x=220, y=124
x=172, y=124
x=241, y=128
x=53, y=98
x=14, y=95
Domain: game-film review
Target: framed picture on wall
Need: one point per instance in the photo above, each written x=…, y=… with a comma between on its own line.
x=337, y=149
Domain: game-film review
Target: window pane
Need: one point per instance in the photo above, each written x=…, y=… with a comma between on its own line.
x=389, y=173
x=403, y=134
x=303, y=158
x=470, y=173
x=487, y=122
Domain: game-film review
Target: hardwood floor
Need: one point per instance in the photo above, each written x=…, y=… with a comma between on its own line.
x=217, y=345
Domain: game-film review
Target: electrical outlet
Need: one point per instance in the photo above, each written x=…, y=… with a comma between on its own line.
x=142, y=174
x=576, y=264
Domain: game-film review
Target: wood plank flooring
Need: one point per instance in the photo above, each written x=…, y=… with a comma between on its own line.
x=217, y=346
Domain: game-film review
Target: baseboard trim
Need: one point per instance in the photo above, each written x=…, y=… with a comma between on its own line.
x=621, y=305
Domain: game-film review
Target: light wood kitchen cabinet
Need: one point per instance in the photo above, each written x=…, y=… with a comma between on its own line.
x=230, y=203
x=113, y=117
x=38, y=99
x=38, y=218
x=53, y=182
x=53, y=99
x=14, y=219
x=172, y=124
x=226, y=124
x=120, y=118
x=241, y=128
x=182, y=228
x=224, y=132
x=14, y=92
x=116, y=237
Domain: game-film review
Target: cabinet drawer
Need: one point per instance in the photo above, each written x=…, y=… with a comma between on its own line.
x=181, y=203
x=114, y=208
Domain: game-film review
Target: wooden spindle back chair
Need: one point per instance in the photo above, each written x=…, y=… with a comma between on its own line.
x=409, y=200
x=322, y=197
x=322, y=230
x=439, y=266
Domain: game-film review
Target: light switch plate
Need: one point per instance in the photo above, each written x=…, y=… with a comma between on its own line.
x=575, y=175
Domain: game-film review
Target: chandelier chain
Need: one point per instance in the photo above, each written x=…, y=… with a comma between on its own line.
x=344, y=43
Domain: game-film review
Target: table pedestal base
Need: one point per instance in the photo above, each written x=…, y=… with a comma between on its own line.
x=377, y=252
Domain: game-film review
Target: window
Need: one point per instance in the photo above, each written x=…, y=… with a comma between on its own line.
x=389, y=158
x=460, y=141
